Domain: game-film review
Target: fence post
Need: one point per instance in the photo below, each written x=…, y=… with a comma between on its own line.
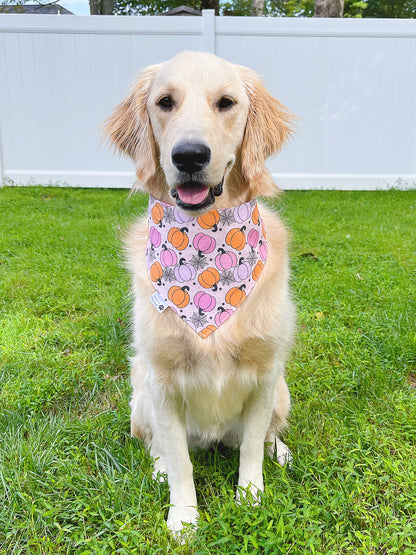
x=208, y=31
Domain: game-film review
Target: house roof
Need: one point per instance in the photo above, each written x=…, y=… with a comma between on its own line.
x=51, y=9
x=182, y=10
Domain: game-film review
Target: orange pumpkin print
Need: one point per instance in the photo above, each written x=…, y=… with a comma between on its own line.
x=236, y=238
x=235, y=296
x=156, y=272
x=157, y=213
x=255, y=216
x=209, y=220
x=179, y=296
x=207, y=331
x=209, y=278
x=178, y=238
x=257, y=270
x=264, y=230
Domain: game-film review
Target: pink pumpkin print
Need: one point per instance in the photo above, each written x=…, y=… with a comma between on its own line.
x=181, y=217
x=225, y=260
x=168, y=257
x=204, y=243
x=184, y=272
x=242, y=213
x=204, y=301
x=263, y=250
x=242, y=271
x=253, y=237
x=155, y=237
x=222, y=315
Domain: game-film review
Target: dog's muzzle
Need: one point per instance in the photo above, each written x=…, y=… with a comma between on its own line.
x=192, y=193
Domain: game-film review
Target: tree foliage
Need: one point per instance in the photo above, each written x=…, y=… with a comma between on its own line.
x=151, y=7
x=276, y=8
x=285, y=8
x=390, y=8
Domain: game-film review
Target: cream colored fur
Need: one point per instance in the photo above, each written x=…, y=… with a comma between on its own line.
x=230, y=386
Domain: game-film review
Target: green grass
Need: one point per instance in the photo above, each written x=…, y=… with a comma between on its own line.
x=73, y=481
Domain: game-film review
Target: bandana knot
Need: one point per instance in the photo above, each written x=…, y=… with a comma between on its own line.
x=203, y=267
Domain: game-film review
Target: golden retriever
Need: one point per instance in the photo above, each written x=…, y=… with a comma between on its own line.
x=199, y=130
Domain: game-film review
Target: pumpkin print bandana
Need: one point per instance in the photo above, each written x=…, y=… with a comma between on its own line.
x=203, y=267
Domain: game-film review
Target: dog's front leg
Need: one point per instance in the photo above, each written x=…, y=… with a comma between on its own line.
x=256, y=420
x=170, y=427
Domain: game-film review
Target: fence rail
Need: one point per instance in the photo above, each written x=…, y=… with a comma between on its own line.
x=351, y=82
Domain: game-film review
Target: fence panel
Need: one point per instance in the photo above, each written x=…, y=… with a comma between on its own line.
x=351, y=82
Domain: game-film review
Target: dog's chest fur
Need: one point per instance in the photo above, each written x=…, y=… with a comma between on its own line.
x=213, y=389
x=215, y=402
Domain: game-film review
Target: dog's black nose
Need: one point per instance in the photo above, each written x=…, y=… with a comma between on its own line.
x=190, y=157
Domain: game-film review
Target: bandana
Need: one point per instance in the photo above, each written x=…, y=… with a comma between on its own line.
x=203, y=267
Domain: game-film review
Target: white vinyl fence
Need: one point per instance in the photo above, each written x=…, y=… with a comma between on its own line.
x=351, y=82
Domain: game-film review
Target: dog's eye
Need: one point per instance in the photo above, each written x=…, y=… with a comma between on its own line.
x=225, y=103
x=166, y=102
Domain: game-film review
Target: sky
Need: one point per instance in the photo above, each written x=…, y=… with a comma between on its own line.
x=78, y=7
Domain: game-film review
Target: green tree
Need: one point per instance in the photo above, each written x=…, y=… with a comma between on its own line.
x=150, y=7
x=354, y=8
x=275, y=8
x=285, y=8
x=390, y=8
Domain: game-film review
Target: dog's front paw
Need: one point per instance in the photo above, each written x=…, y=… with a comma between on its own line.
x=182, y=522
x=278, y=449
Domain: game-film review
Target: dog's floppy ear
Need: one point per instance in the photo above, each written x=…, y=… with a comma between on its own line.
x=128, y=128
x=268, y=127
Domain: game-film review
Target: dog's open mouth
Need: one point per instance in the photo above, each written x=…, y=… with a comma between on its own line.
x=193, y=196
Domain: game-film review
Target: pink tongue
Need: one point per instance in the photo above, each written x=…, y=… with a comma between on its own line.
x=194, y=194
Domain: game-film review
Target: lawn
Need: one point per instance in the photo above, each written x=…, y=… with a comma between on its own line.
x=71, y=478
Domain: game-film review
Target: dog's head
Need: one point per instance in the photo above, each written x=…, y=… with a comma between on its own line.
x=199, y=130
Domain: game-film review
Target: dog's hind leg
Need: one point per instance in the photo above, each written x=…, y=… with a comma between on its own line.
x=275, y=446
x=159, y=471
x=139, y=421
x=256, y=419
x=140, y=404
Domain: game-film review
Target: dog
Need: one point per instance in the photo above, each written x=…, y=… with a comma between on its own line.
x=209, y=352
